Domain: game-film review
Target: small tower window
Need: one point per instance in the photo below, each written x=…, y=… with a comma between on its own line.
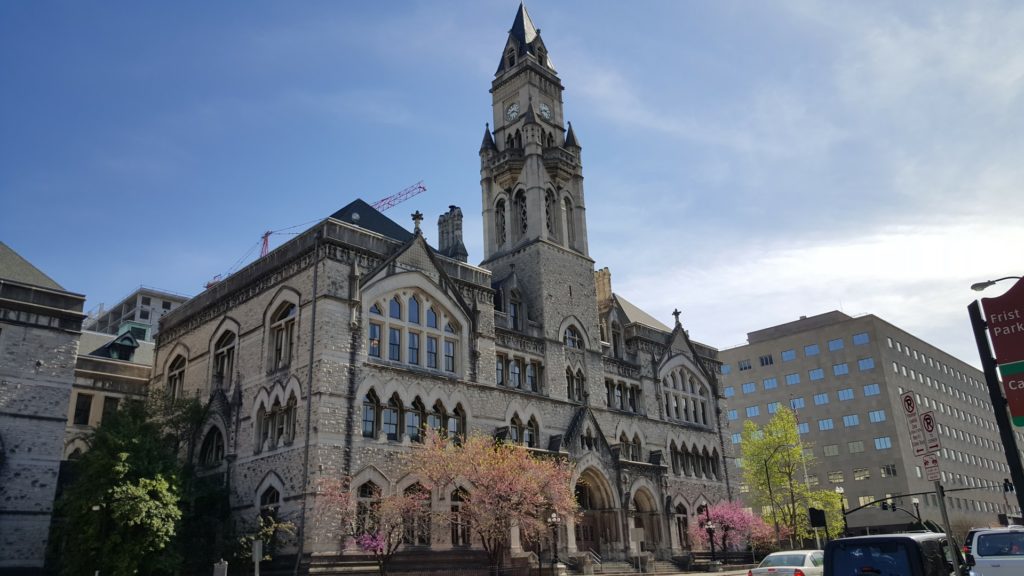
x=510, y=57
x=573, y=338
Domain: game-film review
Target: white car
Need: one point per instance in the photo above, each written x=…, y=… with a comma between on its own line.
x=997, y=552
x=791, y=563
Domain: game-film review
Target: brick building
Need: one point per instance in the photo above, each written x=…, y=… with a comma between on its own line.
x=40, y=324
x=329, y=356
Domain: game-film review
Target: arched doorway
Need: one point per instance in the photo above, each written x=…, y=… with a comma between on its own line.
x=645, y=515
x=683, y=526
x=598, y=528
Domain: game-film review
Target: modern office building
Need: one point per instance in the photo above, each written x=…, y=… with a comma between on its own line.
x=40, y=325
x=531, y=346
x=138, y=313
x=844, y=377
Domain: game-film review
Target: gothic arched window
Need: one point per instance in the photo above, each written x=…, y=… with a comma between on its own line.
x=531, y=434
x=282, y=331
x=416, y=525
x=212, y=451
x=460, y=527
x=549, y=216
x=510, y=57
x=521, y=214
x=224, y=360
x=499, y=222
x=176, y=377
x=570, y=227
x=573, y=338
x=371, y=415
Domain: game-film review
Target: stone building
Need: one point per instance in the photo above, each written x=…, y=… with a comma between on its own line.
x=329, y=356
x=40, y=324
x=844, y=377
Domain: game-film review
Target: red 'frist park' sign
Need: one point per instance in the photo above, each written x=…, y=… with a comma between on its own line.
x=1005, y=318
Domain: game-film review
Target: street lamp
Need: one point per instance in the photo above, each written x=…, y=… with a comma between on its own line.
x=771, y=497
x=917, y=510
x=842, y=503
x=554, y=520
x=979, y=286
x=709, y=527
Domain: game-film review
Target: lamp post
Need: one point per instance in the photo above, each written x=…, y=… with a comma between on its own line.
x=709, y=527
x=554, y=520
x=842, y=503
x=771, y=496
x=999, y=401
x=917, y=510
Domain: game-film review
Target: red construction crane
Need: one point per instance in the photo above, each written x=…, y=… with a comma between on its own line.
x=395, y=199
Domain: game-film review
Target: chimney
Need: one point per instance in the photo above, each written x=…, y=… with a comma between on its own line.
x=449, y=235
x=603, y=283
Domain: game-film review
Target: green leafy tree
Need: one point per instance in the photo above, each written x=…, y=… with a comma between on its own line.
x=119, y=515
x=775, y=462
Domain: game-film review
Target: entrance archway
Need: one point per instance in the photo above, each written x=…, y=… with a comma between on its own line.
x=683, y=526
x=598, y=528
x=645, y=515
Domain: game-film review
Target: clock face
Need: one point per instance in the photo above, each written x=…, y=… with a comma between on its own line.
x=545, y=111
x=512, y=112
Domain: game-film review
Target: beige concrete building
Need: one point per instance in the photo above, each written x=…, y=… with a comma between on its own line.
x=844, y=377
x=40, y=324
x=328, y=357
x=138, y=313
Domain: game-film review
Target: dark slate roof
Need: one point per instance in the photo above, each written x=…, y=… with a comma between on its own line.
x=361, y=214
x=14, y=267
x=523, y=29
x=488, y=143
x=525, y=37
x=570, y=138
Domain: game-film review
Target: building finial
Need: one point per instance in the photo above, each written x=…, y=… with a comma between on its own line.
x=417, y=217
x=676, y=313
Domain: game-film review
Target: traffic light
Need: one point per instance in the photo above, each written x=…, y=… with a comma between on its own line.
x=1007, y=485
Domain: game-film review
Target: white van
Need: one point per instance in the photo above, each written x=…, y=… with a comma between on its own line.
x=997, y=552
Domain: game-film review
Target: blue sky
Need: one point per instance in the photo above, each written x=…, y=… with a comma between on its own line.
x=746, y=162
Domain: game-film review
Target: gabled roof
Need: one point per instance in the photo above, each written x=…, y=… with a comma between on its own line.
x=361, y=214
x=14, y=267
x=634, y=314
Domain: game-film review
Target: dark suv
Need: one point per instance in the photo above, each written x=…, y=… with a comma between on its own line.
x=911, y=554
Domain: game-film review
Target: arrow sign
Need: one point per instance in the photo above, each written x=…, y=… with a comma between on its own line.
x=931, y=432
x=917, y=439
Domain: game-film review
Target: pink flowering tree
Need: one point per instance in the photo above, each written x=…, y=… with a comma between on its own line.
x=507, y=487
x=380, y=529
x=735, y=526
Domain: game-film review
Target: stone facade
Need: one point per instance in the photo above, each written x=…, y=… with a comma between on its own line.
x=326, y=358
x=39, y=331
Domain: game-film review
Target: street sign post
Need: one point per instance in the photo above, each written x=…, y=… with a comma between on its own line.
x=917, y=439
x=1004, y=316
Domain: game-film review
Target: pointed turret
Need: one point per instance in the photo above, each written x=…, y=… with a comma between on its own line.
x=570, y=138
x=488, y=144
x=523, y=40
x=530, y=116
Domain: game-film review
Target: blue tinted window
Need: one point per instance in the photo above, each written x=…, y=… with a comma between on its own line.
x=859, y=339
x=796, y=403
x=851, y=420
x=803, y=428
x=749, y=388
x=788, y=355
x=792, y=379
x=726, y=368
x=866, y=364
x=816, y=374
x=840, y=369
x=811, y=350
x=732, y=415
x=836, y=344
x=876, y=415
x=883, y=443
x=825, y=424
x=871, y=390
x=729, y=391
x=737, y=438
x=773, y=407
x=820, y=399
x=753, y=411
x=845, y=394
x=770, y=383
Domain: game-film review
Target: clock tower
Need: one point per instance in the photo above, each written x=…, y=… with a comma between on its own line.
x=531, y=178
